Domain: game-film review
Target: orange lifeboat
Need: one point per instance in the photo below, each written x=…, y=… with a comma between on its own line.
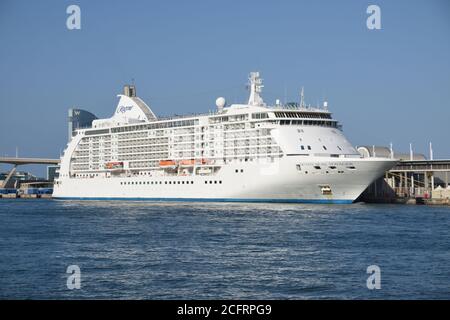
x=167, y=163
x=113, y=165
x=189, y=162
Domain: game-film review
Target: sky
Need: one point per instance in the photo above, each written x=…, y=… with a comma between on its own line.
x=387, y=85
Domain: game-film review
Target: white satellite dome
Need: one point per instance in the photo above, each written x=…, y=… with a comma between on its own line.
x=220, y=103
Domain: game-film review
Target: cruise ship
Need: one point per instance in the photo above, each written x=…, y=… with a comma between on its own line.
x=250, y=152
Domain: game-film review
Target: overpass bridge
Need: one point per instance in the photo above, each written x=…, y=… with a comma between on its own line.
x=22, y=161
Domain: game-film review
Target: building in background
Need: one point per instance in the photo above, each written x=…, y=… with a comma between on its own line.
x=17, y=178
x=52, y=173
x=78, y=119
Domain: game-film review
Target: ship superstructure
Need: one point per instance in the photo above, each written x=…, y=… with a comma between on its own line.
x=242, y=152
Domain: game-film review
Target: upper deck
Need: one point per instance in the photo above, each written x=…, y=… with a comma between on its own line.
x=132, y=114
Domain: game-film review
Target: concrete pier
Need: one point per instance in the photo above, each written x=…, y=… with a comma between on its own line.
x=412, y=181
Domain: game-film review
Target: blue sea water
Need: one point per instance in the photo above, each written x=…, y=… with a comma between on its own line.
x=154, y=250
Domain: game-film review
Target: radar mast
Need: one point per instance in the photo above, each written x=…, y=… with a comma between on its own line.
x=256, y=86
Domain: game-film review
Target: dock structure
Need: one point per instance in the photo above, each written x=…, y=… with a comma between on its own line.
x=420, y=174
x=22, y=161
x=411, y=179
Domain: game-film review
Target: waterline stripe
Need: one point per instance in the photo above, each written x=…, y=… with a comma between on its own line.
x=319, y=201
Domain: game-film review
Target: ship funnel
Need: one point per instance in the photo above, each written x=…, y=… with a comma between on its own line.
x=129, y=90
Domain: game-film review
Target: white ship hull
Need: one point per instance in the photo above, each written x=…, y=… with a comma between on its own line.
x=271, y=182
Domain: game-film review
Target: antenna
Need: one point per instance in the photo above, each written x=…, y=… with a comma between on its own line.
x=392, y=150
x=431, y=151
x=410, y=152
x=302, y=98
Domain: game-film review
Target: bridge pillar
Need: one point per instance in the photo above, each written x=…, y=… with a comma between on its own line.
x=432, y=180
x=406, y=190
x=446, y=179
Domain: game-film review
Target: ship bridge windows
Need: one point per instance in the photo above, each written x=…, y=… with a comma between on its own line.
x=321, y=123
x=307, y=115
